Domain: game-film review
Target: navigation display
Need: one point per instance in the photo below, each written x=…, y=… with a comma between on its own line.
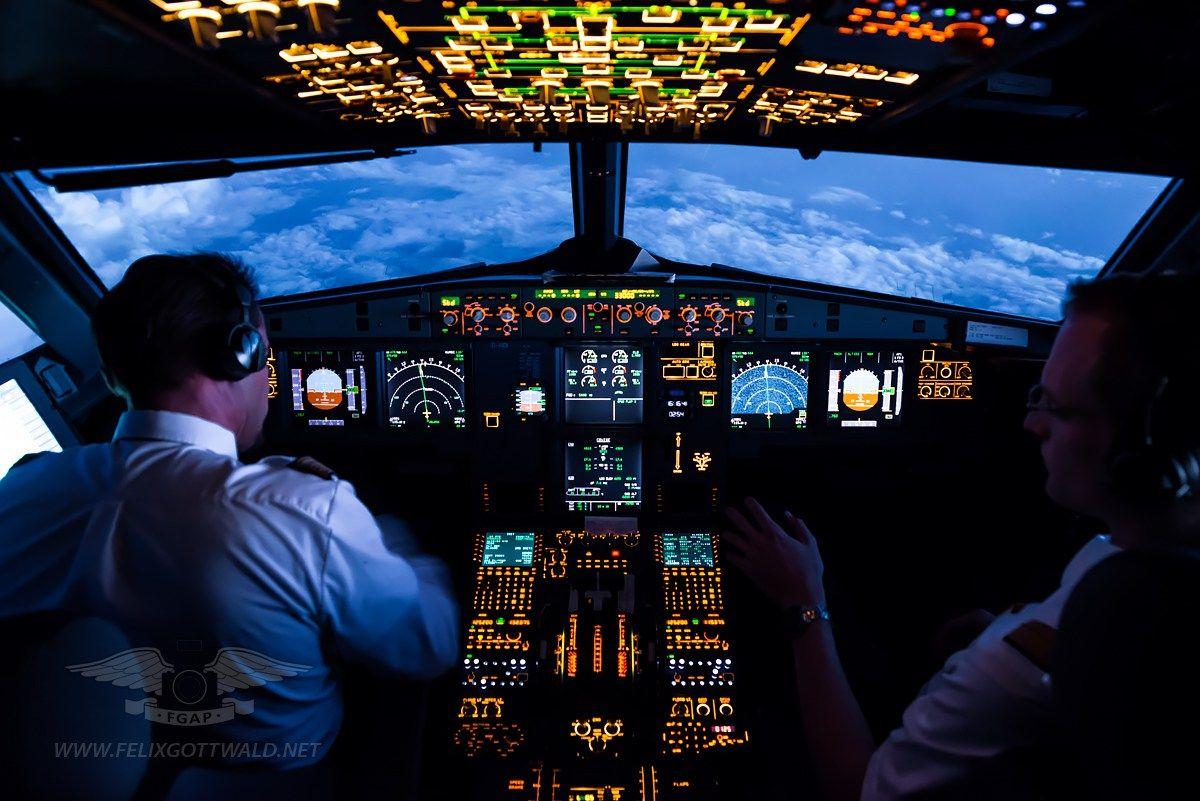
x=769, y=389
x=691, y=549
x=426, y=388
x=604, y=473
x=329, y=387
x=508, y=549
x=865, y=388
x=602, y=383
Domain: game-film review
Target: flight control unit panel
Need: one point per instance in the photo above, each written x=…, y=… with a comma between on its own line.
x=593, y=430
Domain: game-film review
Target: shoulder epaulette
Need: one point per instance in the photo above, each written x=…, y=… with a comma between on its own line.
x=307, y=464
x=1034, y=640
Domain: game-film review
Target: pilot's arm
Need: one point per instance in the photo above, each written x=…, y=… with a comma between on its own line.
x=390, y=612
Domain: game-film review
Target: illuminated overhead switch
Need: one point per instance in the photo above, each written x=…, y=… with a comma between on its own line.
x=387, y=68
x=322, y=15
x=906, y=78
x=599, y=92
x=469, y=24
x=766, y=124
x=491, y=419
x=629, y=44
x=595, y=33
x=262, y=17
x=718, y=26
x=808, y=65
x=204, y=24
x=546, y=88
x=561, y=44
x=768, y=22
x=428, y=122
x=660, y=15
x=869, y=73
x=647, y=91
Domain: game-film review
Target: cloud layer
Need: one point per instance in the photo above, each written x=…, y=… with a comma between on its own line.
x=313, y=228
x=700, y=217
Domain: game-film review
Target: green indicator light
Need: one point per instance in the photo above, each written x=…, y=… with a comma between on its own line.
x=950, y=12
x=449, y=300
x=499, y=621
x=695, y=621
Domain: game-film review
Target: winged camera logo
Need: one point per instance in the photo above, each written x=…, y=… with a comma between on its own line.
x=189, y=695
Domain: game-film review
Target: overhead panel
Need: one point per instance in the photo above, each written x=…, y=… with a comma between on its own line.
x=529, y=69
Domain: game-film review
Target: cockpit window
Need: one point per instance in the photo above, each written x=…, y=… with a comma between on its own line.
x=987, y=236
x=16, y=338
x=309, y=228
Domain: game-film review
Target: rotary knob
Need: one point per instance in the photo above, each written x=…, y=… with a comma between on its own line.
x=569, y=314
x=478, y=316
x=449, y=319
x=688, y=314
x=718, y=315
x=544, y=315
x=654, y=315
x=748, y=319
x=624, y=314
x=508, y=313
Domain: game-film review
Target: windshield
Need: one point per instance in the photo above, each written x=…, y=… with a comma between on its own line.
x=309, y=228
x=16, y=338
x=995, y=237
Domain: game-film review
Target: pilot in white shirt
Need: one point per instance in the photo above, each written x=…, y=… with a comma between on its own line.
x=1096, y=417
x=260, y=577
x=989, y=699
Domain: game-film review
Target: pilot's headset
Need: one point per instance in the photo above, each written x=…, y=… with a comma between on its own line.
x=1161, y=462
x=239, y=350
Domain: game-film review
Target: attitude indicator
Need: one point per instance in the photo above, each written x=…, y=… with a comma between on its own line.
x=769, y=389
x=426, y=388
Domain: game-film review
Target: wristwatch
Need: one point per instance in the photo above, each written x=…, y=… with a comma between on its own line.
x=797, y=619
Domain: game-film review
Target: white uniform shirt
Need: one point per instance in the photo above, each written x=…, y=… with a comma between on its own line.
x=164, y=532
x=988, y=699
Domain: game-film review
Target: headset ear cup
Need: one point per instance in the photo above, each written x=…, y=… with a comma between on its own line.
x=245, y=351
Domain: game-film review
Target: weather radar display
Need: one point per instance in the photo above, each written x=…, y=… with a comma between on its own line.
x=865, y=388
x=329, y=387
x=426, y=388
x=769, y=389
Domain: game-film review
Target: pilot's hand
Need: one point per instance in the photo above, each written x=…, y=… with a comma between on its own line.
x=783, y=562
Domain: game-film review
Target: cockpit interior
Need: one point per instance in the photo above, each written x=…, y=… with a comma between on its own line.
x=556, y=284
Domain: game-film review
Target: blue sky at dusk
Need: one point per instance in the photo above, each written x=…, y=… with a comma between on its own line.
x=988, y=236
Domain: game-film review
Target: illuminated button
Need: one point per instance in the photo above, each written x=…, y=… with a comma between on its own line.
x=654, y=315
x=491, y=419
x=544, y=315
x=569, y=314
